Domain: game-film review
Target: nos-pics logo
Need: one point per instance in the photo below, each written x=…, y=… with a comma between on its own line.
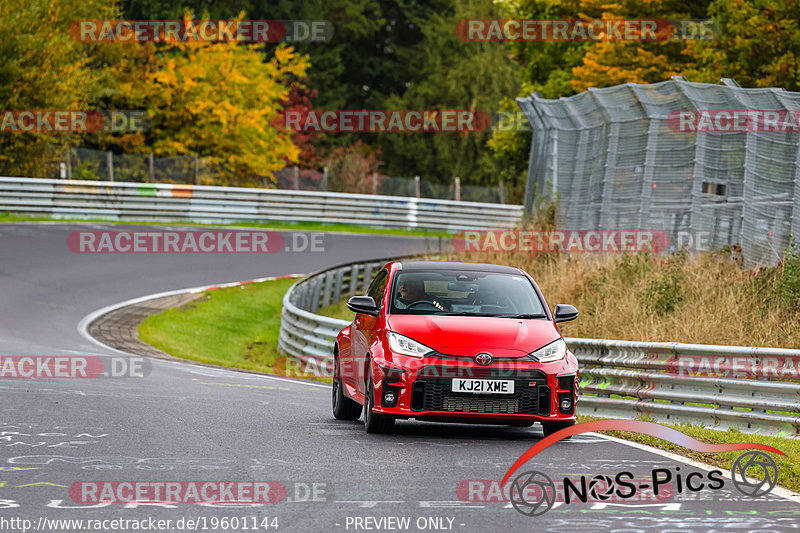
x=533, y=493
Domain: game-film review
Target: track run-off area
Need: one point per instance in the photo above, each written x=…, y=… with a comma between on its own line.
x=188, y=423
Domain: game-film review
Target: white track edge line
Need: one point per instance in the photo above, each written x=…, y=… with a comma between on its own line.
x=83, y=325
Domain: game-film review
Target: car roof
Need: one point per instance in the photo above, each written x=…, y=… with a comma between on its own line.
x=445, y=265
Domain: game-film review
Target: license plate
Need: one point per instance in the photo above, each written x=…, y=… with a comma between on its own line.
x=483, y=386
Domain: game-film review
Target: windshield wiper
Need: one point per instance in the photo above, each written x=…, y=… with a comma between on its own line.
x=527, y=316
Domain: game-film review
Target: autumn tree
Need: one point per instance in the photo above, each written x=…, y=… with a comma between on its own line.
x=217, y=100
x=42, y=68
x=758, y=44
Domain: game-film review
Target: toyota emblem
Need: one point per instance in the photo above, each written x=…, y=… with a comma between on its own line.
x=484, y=359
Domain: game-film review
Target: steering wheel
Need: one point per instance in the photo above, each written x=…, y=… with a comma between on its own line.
x=412, y=304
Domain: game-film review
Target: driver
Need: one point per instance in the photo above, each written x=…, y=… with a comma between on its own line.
x=413, y=290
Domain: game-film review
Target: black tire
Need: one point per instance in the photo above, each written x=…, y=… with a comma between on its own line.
x=343, y=407
x=373, y=422
x=548, y=428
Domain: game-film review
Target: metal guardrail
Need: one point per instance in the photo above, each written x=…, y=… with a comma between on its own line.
x=754, y=389
x=311, y=337
x=205, y=204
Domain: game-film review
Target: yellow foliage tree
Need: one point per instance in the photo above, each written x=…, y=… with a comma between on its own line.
x=43, y=68
x=218, y=100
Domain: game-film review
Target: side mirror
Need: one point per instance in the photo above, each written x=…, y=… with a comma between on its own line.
x=565, y=313
x=363, y=304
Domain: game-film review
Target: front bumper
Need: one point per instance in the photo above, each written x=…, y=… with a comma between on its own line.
x=422, y=389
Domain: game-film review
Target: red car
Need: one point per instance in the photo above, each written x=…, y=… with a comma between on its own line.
x=454, y=342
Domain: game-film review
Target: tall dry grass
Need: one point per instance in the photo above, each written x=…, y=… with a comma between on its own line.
x=708, y=299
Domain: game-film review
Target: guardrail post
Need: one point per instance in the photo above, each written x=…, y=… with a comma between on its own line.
x=457, y=189
x=110, y=165
x=367, y=278
x=416, y=186
x=296, y=178
x=337, y=288
x=501, y=191
x=196, y=165
x=151, y=167
x=328, y=289
x=374, y=183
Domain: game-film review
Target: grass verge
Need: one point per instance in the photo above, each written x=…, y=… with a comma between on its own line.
x=235, y=327
x=788, y=466
x=8, y=218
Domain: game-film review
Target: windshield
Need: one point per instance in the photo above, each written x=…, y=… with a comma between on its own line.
x=465, y=293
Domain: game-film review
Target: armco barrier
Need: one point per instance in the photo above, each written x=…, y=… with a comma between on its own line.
x=306, y=335
x=160, y=202
x=754, y=389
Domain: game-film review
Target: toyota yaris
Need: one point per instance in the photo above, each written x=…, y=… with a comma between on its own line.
x=454, y=342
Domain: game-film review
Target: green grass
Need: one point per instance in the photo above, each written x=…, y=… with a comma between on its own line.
x=235, y=327
x=788, y=466
x=337, y=310
x=8, y=218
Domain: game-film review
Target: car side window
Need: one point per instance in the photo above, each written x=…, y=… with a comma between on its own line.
x=378, y=287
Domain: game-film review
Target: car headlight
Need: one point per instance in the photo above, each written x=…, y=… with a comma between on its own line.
x=554, y=351
x=405, y=346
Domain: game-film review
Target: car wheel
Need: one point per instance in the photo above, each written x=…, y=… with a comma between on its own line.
x=548, y=428
x=343, y=407
x=373, y=422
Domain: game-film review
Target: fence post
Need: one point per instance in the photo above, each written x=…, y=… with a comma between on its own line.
x=457, y=189
x=295, y=178
x=196, y=165
x=324, y=185
x=374, y=183
x=501, y=190
x=110, y=165
x=151, y=166
x=69, y=163
x=416, y=186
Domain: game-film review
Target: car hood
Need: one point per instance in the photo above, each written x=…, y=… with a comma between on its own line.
x=468, y=335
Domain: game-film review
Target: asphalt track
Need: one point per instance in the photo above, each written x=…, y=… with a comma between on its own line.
x=183, y=422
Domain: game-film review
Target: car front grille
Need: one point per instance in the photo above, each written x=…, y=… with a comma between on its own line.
x=435, y=394
x=480, y=404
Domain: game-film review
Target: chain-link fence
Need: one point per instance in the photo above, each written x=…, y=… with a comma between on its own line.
x=618, y=158
x=99, y=165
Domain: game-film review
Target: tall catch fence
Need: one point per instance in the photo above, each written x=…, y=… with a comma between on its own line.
x=614, y=161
